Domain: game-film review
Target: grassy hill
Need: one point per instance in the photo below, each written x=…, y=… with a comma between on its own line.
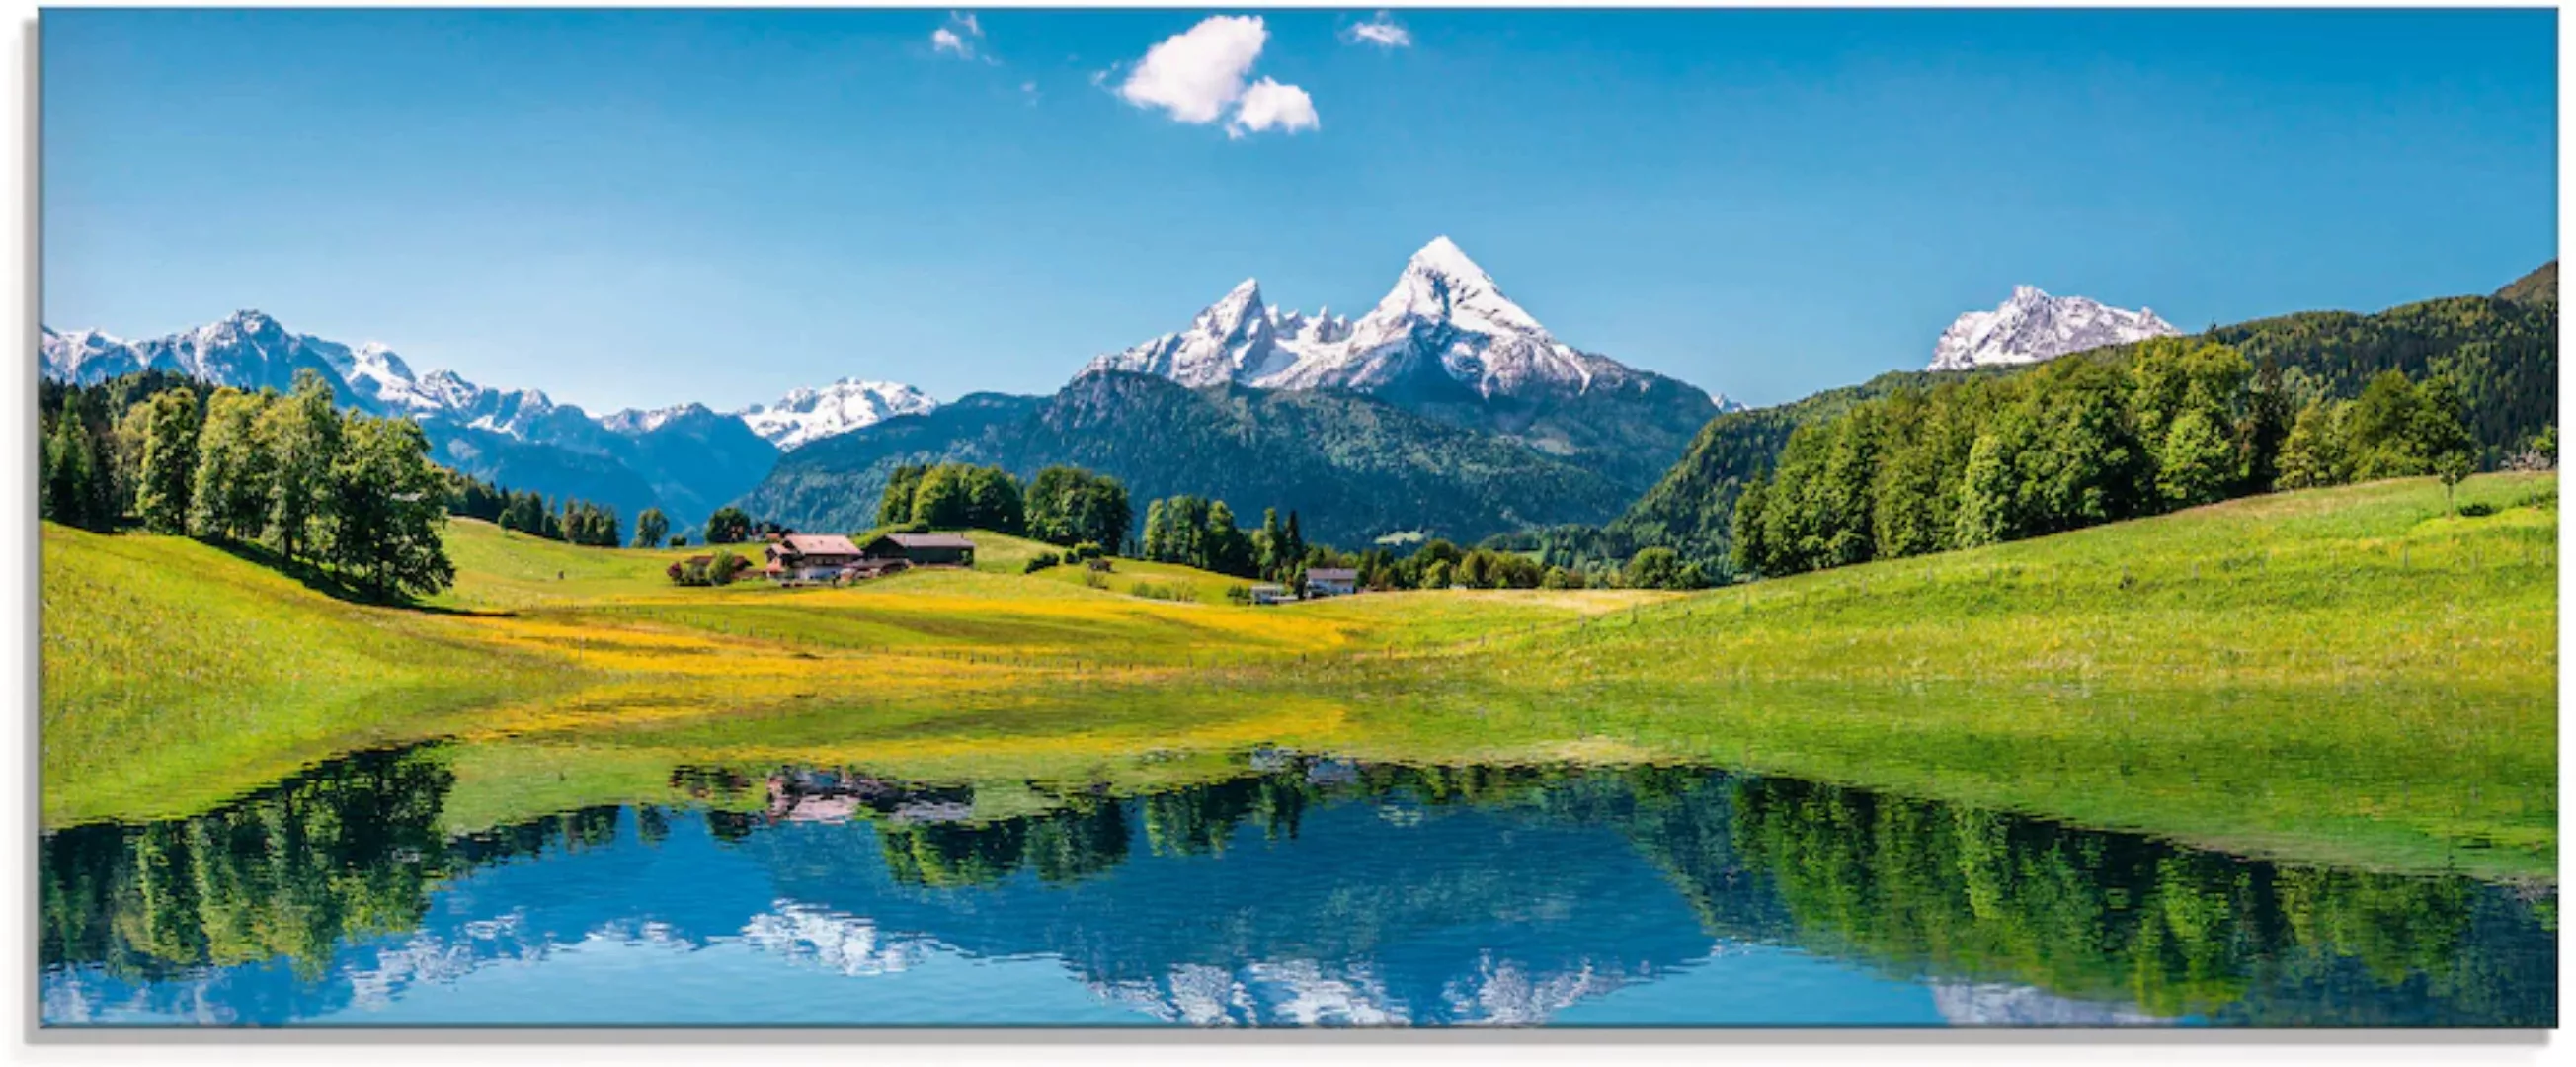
x=2352, y=675
x=215, y=670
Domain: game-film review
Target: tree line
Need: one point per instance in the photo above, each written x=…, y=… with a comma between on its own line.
x=1198, y=532
x=2500, y=354
x=2074, y=443
x=1063, y=505
x=286, y=471
x=573, y=521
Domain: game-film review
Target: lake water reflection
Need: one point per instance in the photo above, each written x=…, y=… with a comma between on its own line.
x=1306, y=890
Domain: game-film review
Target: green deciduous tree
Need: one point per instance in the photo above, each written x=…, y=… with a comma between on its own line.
x=2197, y=463
x=301, y=435
x=1654, y=568
x=169, y=461
x=229, y=501
x=894, y=508
x=387, y=508
x=941, y=499
x=651, y=528
x=2313, y=454
x=728, y=526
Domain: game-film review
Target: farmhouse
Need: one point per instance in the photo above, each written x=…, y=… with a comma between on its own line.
x=809, y=557
x=925, y=549
x=1332, y=581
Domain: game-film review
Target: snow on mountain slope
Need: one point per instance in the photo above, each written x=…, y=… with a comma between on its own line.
x=1445, y=318
x=1237, y=339
x=806, y=415
x=2034, y=326
x=249, y=350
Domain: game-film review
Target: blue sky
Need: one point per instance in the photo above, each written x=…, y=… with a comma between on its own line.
x=647, y=207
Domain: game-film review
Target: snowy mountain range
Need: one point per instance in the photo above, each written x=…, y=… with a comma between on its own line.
x=805, y=415
x=686, y=459
x=249, y=350
x=1446, y=320
x=2034, y=326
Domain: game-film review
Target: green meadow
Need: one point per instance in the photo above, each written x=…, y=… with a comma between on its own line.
x=2355, y=675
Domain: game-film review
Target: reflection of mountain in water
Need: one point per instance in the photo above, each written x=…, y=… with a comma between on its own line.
x=1307, y=892
x=1254, y=901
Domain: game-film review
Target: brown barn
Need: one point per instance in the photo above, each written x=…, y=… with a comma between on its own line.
x=924, y=549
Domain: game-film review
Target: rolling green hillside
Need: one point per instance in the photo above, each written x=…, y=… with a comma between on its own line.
x=2352, y=674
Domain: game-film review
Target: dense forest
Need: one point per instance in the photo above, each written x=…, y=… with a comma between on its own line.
x=2075, y=443
x=289, y=473
x=2499, y=354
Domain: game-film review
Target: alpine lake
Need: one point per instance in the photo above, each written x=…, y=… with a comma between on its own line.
x=1259, y=887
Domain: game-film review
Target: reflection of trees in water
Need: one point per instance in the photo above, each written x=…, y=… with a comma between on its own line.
x=352, y=849
x=1085, y=838
x=1930, y=888
x=349, y=849
x=343, y=851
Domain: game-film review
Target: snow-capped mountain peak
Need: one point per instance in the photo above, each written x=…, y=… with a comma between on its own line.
x=2034, y=326
x=1444, y=320
x=1440, y=283
x=1236, y=339
x=807, y=415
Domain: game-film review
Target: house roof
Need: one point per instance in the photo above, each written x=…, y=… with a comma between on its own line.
x=1332, y=574
x=930, y=540
x=819, y=545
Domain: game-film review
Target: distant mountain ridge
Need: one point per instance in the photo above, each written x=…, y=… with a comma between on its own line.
x=2032, y=326
x=687, y=459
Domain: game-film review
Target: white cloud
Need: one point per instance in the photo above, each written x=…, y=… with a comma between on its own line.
x=1196, y=75
x=1270, y=105
x=959, y=36
x=1382, y=31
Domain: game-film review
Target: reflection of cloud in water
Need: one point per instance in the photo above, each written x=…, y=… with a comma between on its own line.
x=835, y=941
x=1308, y=993
x=1295, y=992
x=1996, y=1004
x=1504, y=994
x=506, y=939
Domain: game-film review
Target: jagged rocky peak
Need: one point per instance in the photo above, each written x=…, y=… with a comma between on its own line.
x=2032, y=326
x=1445, y=316
x=1441, y=283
